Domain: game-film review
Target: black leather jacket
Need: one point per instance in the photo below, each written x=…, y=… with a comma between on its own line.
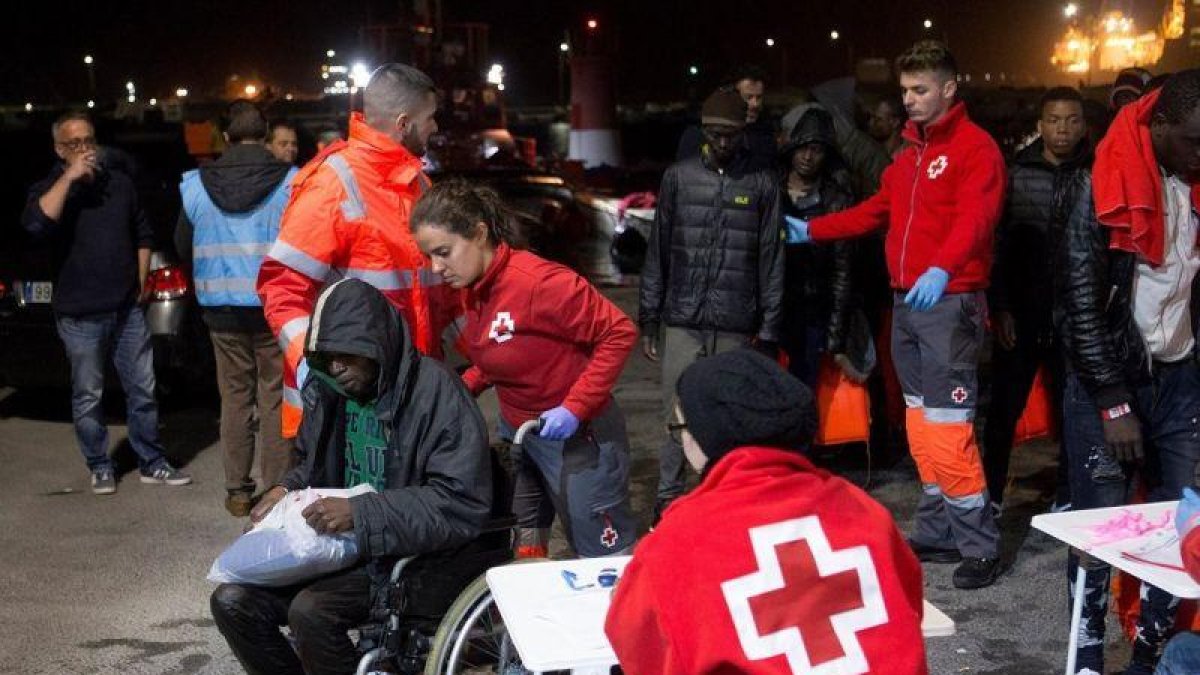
x=715, y=260
x=818, y=284
x=1105, y=349
x=1040, y=198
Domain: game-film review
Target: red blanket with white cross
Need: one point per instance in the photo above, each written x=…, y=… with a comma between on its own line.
x=770, y=566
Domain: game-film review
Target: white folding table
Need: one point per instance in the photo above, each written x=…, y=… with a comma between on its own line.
x=1072, y=528
x=556, y=628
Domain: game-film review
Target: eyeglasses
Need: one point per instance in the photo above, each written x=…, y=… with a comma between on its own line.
x=77, y=144
x=675, y=430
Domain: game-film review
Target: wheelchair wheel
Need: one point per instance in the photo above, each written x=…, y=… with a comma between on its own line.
x=472, y=639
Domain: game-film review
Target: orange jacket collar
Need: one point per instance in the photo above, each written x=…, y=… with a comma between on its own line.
x=386, y=157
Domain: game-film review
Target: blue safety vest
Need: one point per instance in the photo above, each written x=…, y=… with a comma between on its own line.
x=228, y=248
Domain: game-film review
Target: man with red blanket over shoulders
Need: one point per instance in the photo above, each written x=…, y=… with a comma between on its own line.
x=1127, y=276
x=803, y=570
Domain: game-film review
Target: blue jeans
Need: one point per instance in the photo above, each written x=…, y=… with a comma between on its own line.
x=1182, y=656
x=1167, y=408
x=89, y=340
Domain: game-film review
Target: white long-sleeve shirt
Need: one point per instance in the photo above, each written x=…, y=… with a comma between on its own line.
x=1162, y=295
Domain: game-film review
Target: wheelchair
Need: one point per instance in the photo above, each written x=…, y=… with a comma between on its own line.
x=437, y=616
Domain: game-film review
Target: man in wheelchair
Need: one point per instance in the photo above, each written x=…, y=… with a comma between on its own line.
x=375, y=411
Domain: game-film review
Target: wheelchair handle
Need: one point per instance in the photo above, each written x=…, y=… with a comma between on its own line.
x=532, y=425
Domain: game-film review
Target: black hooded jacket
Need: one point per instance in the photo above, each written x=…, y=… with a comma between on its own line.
x=1040, y=198
x=437, y=466
x=237, y=182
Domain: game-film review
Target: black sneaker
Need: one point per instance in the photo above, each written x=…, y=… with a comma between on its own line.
x=933, y=554
x=976, y=572
x=103, y=482
x=166, y=475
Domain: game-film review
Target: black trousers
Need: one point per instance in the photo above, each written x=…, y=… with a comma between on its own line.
x=1013, y=372
x=319, y=615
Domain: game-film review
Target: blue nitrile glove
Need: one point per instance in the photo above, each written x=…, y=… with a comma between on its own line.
x=1187, y=514
x=928, y=289
x=301, y=373
x=558, y=424
x=797, y=230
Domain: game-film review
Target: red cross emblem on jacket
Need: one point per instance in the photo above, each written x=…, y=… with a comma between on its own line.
x=805, y=602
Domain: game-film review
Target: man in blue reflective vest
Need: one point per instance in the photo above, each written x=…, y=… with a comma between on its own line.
x=230, y=218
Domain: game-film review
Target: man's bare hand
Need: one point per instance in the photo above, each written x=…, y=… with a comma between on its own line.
x=650, y=347
x=329, y=515
x=266, y=502
x=1123, y=436
x=81, y=166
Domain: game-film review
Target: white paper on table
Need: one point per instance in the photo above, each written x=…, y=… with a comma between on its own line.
x=580, y=617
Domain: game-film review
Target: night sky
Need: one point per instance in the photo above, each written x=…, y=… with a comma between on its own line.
x=163, y=45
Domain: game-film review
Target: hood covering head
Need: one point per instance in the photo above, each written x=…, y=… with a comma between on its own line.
x=243, y=177
x=815, y=125
x=742, y=398
x=353, y=317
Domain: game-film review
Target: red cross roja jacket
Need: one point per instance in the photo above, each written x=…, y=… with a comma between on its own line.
x=544, y=337
x=939, y=200
x=770, y=566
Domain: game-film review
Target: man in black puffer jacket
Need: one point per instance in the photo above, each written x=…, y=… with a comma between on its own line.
x=714, y=270
x=1041, y=191
x=376, y=412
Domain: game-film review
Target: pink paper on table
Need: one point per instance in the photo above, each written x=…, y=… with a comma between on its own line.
x=1127, y=525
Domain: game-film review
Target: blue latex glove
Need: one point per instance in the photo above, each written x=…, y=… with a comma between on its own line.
x=558, y=424
x=1187, y=514
x=797, y=230
x=301, y=373
x=928, y=289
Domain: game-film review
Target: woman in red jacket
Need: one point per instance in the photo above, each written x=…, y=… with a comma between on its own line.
x=553, y=347
x=770, y=565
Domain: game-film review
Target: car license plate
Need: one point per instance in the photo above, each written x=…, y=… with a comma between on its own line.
x=37, y=292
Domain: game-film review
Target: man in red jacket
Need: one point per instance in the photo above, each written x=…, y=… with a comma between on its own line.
x=802, y=571
x=939, y=201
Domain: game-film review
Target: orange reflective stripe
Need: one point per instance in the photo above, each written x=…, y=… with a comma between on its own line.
x=918, y=444
x=954, y=457
x=290, y=416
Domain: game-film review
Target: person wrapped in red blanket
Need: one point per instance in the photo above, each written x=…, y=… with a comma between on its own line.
x=770, y=565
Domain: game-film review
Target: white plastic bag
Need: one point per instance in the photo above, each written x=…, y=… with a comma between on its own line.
x=283, y=550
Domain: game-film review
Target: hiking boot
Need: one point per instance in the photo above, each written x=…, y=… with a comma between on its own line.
x=167, y=475
x=103, y=482
x=933, y=554
x=238, y=504
x=976, y=572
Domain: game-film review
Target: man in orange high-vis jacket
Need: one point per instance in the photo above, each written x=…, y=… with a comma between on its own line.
x=348, y=217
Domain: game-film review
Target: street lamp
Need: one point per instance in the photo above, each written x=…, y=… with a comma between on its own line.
x=833, y=35
x=91, y=70
x=181, y=92
x=329, y=53
x=91, y=104
x=251, y=90
x=564, y=47
x=770, y=42
x=928, y=24
x=1070, y=10
x=693, y=71
x=28, y=107
x=592, y=24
